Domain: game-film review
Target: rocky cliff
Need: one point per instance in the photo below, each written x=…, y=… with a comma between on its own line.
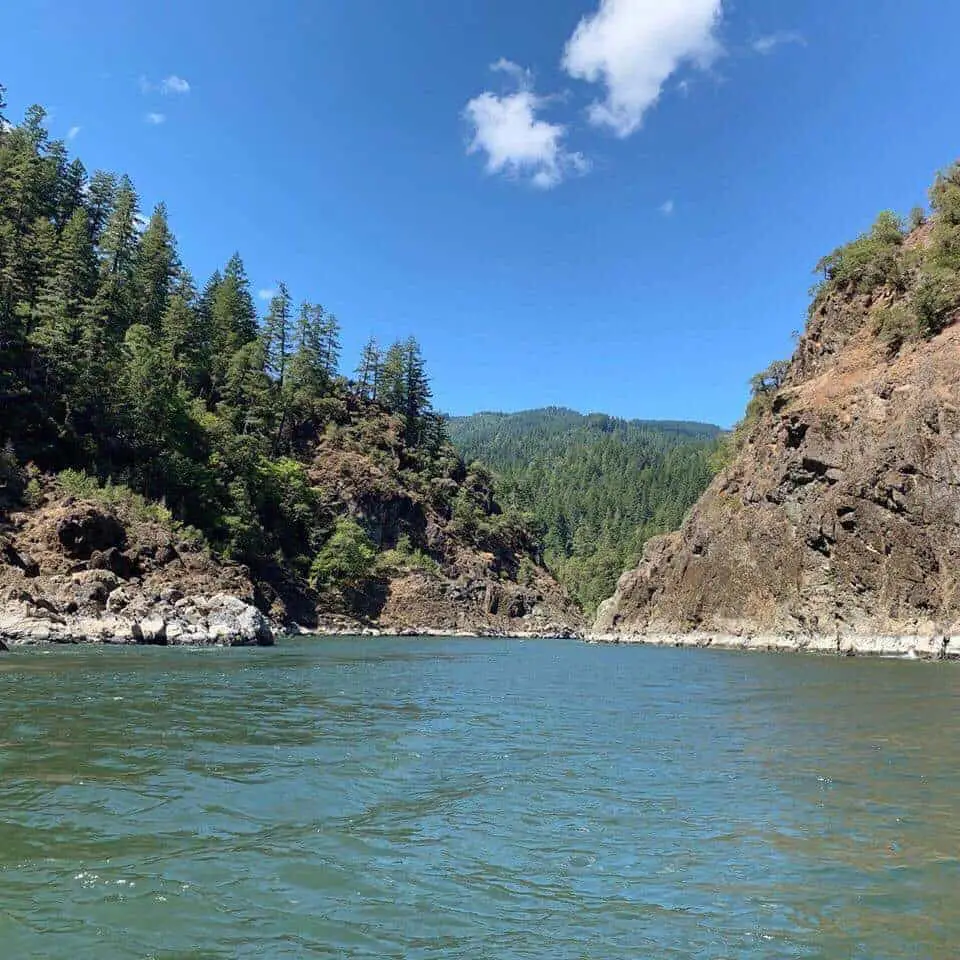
x=837, y=524
x=80, y=561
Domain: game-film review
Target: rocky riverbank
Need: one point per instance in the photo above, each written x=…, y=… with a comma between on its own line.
x=75, y=570
x=168, y=620
x=906, y=647
x=839, y=513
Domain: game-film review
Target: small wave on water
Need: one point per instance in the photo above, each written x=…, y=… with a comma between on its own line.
x=474, y=798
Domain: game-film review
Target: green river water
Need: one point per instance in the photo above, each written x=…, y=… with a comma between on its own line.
x=476, y=798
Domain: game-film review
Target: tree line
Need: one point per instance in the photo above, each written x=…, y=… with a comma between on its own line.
x=116, y=361
x=597, y=487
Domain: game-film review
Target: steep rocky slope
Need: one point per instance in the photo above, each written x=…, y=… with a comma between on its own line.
x=102, y=564
x=837, y=524
x=90, y=570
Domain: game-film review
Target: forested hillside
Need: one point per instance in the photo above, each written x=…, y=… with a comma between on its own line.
x=123, y=377
x=598, y=487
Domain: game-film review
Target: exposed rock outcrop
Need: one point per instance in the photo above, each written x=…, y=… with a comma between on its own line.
x=837, y=525
x=65, y=579
x=79, y=570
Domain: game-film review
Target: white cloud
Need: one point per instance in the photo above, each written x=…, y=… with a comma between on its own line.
x=72, y=132
x=171, y=84
x=633, y=46
x=266, y=294
x=522, y=75
x=666, y=208
x=155, y=118
x=516, y=143
x=174, y=84
x=770, y=42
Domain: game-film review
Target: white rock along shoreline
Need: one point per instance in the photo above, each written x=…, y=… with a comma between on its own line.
x=938, y=647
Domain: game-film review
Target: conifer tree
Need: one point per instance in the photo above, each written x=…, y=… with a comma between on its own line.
x=417, y=393
x=70, y=192
x=118, y=244
x=316, y=350
x=228, y=303
x=392, y=379
x=156, y=268
x=58, y=317
x=101, y=197
x=368, y=371
x=278, y=335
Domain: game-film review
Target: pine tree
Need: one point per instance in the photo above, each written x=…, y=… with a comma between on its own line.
x=57, y=317
x=114, y=306
x=417, y=393
x=232, y=316
x=309, y=373
x=393, y=385
x=278, y=335
x=328, y=345
x=101, y=198
x=156, y=268
x=368, y=371
x=185, y=335
x=70, y=191
x=235, y=313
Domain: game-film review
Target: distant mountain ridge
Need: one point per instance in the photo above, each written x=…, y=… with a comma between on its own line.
x=566, y=418
x=596, y=486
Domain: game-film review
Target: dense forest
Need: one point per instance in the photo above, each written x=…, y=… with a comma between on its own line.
x=598, y=487
x=118, y=368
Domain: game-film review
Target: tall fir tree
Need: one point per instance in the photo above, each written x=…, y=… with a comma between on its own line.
x=155, y=270
x=368, y=370
x=232, y=316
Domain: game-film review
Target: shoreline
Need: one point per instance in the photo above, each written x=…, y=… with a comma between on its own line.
x=19, y=631
x=492, y=633
x=903, y=646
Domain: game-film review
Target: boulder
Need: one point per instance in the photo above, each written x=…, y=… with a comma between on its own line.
x=166, y=554
x=232, y=621
x=112, y=559
x=151, y=631
x=87, y=529
x=14, y=558
x=118, y=600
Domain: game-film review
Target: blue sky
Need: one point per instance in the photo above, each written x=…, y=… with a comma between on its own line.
x=622, y=216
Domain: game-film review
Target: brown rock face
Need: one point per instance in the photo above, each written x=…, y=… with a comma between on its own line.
x=840, y=514
x=86, y=529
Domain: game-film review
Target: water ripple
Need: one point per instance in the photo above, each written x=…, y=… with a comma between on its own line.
x=457, y=798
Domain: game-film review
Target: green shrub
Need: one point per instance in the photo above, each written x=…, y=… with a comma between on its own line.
x=526, y=572
x=405, y=557
x=77, y=483
x=935, y=297
x=346, y=559
x=894, y=325
x=11, y=474
x=33, y=493
x=870, y=261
